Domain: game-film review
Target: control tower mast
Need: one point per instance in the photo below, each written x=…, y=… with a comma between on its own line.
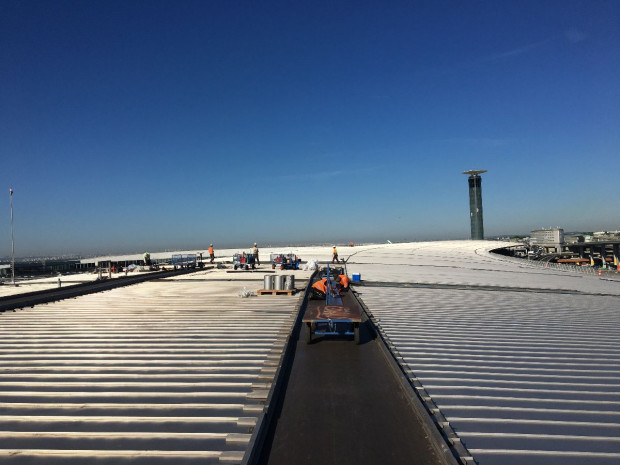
x=475, y=203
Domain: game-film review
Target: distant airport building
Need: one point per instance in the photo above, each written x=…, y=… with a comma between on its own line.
x=574, y=238
x=551, y=239
x=475, y=203
x=605, y=235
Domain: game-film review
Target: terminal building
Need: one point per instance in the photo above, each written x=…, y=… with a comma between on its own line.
x=552, y=239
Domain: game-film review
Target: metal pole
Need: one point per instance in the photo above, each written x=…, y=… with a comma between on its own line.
x=12, y=243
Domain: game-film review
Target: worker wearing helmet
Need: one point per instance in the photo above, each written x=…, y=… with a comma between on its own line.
x=255, y=252
x=319, y=289
x=335, y=255
x=211, y=253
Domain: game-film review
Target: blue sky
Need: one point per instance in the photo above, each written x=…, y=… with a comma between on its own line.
x=132, y=125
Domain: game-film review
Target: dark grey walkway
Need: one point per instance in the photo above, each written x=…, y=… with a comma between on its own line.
x=344, y=405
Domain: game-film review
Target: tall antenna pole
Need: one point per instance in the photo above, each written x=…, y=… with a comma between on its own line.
x=12, y=243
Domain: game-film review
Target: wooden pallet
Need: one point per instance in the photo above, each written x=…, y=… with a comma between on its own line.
x=276, y=291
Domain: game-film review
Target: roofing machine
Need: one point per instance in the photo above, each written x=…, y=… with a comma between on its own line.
x=339, y=314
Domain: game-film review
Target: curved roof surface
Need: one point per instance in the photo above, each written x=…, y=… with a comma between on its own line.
x=519, y=362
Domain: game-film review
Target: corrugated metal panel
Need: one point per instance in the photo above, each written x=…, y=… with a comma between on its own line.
x=160, y=372
x=468, y=263
x=521, y=377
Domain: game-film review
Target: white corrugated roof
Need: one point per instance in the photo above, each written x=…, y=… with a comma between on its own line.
x=161, y=371
x=522, y=362
x=523, y=375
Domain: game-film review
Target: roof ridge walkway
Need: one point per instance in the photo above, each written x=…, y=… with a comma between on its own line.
x=349, y=404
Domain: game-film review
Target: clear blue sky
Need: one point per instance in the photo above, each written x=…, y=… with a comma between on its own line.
x=133, y=125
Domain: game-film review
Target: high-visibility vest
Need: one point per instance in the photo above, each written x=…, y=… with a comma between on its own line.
x=320, y=285
x=344, y=280
x=335, y=251
x=210, y=250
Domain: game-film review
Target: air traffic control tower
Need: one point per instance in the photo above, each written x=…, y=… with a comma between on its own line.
x=475, y=203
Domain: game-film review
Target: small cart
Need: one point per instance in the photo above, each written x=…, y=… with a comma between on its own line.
x=183, y=260
x=244, y=261
x=284, y=261
x=337, y=315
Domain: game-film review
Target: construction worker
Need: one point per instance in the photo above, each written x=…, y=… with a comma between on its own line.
x=319, y=289
x=211, y=253
x=343, y=283
x=255, y=252
x=147, y=259
x=335, y=255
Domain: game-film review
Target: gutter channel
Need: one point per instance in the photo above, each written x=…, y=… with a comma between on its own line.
x=444, y=440
x=276, y=393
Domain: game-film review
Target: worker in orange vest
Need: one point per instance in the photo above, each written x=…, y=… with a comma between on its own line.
x=343, y=283
x=335, y=255
x=211, y=253
x=319, y=289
